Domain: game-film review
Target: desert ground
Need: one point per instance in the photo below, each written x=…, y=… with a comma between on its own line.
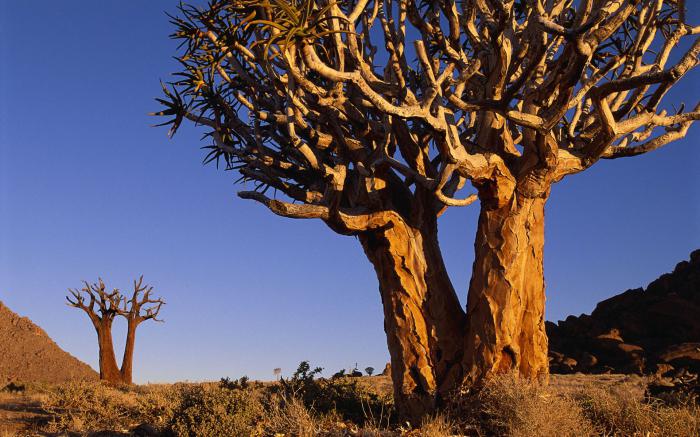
x=572, y=405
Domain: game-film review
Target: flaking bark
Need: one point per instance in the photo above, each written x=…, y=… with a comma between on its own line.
x=423, y=320
x=506, y=299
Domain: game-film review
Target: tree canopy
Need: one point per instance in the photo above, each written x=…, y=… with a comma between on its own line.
x=346, y=107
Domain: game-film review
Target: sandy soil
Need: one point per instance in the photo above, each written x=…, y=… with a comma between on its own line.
x=20, y=414
x=561, y=383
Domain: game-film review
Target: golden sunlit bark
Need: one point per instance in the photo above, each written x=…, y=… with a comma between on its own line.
x=423, y=320
x=506, y=298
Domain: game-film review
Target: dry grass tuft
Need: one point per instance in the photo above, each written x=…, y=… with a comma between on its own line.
x=618, y=412
x=291, y=417
x=510, y=406
x=437, y=426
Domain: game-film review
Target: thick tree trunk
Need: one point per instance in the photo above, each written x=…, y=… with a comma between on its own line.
x=423, y=319
x=128, y=359
x=109, y=371
x=505, y=305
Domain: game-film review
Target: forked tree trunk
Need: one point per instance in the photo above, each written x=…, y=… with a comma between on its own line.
x=128, y=359
x=506, y=300
x=423, y=318
x=435, y=348
x=109, y=371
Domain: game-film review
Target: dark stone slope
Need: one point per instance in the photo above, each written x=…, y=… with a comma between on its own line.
x=652, y=330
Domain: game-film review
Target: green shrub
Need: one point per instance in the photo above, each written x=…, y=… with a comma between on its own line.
x=241, y=383
x=302, y=381
x=352, y=401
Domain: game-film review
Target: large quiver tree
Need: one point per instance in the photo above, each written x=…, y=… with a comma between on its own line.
x=372, y=115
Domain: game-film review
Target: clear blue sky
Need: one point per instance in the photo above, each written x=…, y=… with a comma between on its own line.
x=88, y=188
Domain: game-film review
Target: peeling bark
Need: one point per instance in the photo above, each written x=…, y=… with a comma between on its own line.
x=505, y=307
x=423, y=319
x=434, y=347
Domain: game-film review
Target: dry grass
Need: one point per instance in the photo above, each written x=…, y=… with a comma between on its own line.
x=512, y=407
x=85, y=406
x=290, y=416
x=618, y=412
x=437, y=426
x=505, y=407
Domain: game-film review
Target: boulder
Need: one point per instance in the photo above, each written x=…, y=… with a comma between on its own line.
x=682, y=355
x=587, y=362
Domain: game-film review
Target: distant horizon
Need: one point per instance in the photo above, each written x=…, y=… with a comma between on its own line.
x=88, y=188
x=325, y=372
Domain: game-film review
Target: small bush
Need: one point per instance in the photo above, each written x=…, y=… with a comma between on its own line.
x=302, y=382
x=158, y=404
x=350, y=400
x=241, y=383
x=88, y=406
x=212, y=411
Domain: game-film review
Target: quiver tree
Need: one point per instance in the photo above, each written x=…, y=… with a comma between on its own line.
x=102, y=307
x=377, y=115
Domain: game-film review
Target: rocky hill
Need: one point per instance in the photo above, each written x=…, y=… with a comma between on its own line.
x=28, y=354
x=652, y=330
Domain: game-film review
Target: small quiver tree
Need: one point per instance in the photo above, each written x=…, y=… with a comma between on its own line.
x=103, y=307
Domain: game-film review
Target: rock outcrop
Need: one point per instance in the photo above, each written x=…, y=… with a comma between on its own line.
x=652, y=330
x=27, y=354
